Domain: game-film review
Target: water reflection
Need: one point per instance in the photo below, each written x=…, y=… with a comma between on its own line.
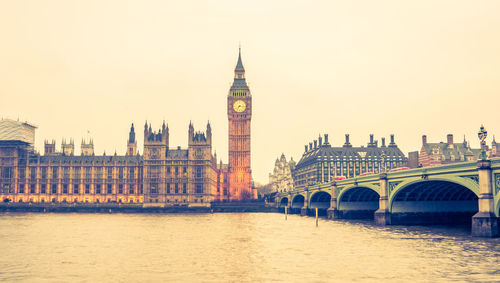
x=235, y=247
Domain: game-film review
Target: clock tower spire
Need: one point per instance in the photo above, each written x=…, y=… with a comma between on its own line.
x=239, y=113
x=239, y=71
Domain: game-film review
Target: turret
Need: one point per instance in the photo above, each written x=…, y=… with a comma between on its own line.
x=199, y=137
x=160, y=137
x=131, y=143
x=190, y=131
x=68, y=148
x=200, y=143
x=50, y=147
x=155, y=143
x=209, y=133
x=87, y=149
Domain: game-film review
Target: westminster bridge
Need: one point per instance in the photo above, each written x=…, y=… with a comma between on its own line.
x=452, y=193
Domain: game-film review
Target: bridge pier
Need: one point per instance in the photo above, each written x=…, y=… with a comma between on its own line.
x=303, y=210
x=333, y=212
x=485, y=222
x=383, y=216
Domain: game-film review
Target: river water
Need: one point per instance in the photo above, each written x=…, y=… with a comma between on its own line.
x=233, y=248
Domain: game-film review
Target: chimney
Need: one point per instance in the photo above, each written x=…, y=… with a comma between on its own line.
x=347, y=144
x=310, y=146
x=306, y=148
x=424, y=140
x=392, y=143
x=326, y=138
x=320, y=140
x=449, y=139
x=371, y=138
x=383, y=142
x=315, y=144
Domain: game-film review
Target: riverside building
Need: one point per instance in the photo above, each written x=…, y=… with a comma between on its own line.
x=162, y=176
x=322, y=163
x=281, y=179
x=448, y=152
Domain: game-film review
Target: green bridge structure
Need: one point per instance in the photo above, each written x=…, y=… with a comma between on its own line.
x=467, y=192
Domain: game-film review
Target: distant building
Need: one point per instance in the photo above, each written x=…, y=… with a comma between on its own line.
x=446, y=152
x=413, y=159
x=494, y=150
x=281, y=179
x=322, y=163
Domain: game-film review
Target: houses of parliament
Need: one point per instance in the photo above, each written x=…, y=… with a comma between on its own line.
x=161, y=176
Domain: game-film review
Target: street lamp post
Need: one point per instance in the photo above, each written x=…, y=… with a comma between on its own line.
x=482, y=134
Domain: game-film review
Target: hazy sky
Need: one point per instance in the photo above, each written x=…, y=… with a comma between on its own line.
x=336, y=67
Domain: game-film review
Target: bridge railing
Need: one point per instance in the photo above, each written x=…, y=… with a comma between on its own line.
x=461, y=167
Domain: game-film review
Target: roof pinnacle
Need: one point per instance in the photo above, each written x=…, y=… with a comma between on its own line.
x=239, y=64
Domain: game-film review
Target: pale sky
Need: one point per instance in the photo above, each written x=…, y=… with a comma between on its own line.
x=358, y=67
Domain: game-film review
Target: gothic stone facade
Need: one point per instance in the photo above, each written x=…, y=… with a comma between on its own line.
x=162, y=176
x=179, y=176
x=281, y=179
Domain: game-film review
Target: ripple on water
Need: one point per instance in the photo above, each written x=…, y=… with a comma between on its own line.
x=235, y=247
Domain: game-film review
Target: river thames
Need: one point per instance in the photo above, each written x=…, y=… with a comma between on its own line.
x=234, y=247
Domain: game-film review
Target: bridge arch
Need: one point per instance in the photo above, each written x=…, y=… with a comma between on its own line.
x=498, y=208
x=435, y=200
x=465, y=182
x=320, y=199
x=283, y=202
x=298, y=201
x=358, y=201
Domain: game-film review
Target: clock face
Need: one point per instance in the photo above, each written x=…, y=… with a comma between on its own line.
x=239, y=106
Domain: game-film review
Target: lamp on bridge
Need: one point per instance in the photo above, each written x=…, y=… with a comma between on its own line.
x=482, y=134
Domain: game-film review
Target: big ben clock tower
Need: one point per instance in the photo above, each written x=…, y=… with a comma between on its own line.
x=239, y=113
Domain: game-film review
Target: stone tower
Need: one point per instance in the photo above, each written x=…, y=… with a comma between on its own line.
x=200, y=143
x=239, y=112
x=131, y=143
x=155, y=154
x=50, y=147
x=68, y=148
x=87, y=148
